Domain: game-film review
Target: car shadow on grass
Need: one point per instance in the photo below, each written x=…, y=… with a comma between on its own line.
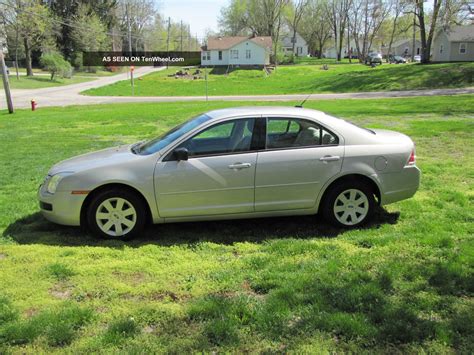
x=34, y=229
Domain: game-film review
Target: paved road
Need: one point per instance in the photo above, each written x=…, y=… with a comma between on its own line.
x=69, y=95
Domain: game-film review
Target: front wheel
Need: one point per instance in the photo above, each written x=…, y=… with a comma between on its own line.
x=349, y=205
x=116, y=214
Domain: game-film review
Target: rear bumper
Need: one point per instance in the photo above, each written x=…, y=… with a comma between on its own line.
x=399, y=186
x=62, y=207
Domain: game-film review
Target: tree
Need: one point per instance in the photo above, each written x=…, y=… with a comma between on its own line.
x=338, y=13
x=297, y=8
x=398, y=7
x=55, y=64
x=366, y=18
x=427, y=27
x=314, y=26
x=35, y=27
x=66, y=11
x=89, y=34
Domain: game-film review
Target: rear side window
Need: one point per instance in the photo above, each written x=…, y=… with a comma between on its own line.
x=293, y=132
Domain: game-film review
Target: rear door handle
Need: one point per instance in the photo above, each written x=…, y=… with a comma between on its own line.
x=330, y=158
x=238, y=166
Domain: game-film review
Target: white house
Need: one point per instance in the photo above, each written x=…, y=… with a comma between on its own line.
x=239, y=50
x=301, y=47
x=454, y=44
x=332, y=53
x=403, y=48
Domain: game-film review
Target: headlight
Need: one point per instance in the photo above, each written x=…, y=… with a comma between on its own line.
x=54, y=181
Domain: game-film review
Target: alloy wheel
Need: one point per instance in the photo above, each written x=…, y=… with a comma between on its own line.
x=351, y=207
x=116, y=216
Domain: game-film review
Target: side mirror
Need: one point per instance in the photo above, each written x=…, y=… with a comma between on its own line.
x=181, y=154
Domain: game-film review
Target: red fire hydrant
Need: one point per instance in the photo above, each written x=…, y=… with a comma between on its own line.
x=33, y=105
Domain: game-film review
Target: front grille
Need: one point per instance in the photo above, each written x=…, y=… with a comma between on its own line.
x=46, y=206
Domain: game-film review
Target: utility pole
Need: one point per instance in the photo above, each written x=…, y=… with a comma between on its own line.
x=6, y=84
x=181, y=28
x=129, y=35
x=168, y=39
x=414, y=36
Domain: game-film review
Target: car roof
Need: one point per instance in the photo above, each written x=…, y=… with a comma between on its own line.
x=265, y=110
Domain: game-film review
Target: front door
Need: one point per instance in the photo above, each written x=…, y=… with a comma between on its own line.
x=300, y=157
x=218, y=177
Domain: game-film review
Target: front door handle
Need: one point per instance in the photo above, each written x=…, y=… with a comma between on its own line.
x=330, y=158
x=238, y=166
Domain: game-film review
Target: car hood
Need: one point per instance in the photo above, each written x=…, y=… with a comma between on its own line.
x=101, y=158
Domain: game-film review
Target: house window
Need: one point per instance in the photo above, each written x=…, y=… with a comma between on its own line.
x=462, y=48
x=220, y=55
x=418, y=50
x=247, y=54
x=441, y=48
x=299, y=50
x=234, y=54
x=206, y=55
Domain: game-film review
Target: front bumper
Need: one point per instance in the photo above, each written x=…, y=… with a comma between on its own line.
x=62, y=207
x=399, y=186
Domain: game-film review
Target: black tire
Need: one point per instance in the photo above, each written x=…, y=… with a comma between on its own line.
x=328, y=204
x=138, y=219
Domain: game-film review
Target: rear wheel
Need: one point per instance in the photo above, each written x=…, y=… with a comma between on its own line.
x=349, y=205
x=116, y=214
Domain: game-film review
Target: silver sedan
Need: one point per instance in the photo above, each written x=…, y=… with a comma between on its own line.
x=235, y=163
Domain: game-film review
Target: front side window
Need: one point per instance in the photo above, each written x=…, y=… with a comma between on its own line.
x=247, y=54
x=223, y=138
x=234, y=54
x=220, y=55
x=206, y=55
x=462, y=48
x=441, y=48
x=167, y=138
x=294, y=132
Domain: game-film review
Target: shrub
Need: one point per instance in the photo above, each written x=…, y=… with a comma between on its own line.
x=60, y=271
x=56, y=64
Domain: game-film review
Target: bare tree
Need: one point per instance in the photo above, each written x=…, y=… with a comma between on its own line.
x=315, y=27
x=427, y=28
x=297, y=9
x=337, y=12
x=366, y=18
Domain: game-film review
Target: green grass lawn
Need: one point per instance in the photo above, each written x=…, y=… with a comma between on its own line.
x=299, y=79
x=43, y=81
x=405, y=283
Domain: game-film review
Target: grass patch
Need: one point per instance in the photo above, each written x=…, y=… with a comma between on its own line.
x=295, y=284
x=43, y=81
x=299, y=79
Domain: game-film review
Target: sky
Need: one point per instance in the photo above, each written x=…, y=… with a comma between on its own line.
x=199, y=14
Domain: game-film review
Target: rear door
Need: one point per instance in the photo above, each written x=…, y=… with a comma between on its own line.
x=299, y=158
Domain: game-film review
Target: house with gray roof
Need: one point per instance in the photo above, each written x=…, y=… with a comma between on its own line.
x=454, y=44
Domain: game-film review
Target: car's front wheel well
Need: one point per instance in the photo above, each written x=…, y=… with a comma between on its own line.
x=354, y=178
x=112, y=186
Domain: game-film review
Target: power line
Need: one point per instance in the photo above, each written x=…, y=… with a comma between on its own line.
x=79, y=27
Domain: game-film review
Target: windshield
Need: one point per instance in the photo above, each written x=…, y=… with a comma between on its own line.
x=162, y=141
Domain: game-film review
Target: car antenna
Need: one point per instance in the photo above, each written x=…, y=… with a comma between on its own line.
x=302, y=102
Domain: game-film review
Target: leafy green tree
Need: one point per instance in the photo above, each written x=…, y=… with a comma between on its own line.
x=36, y=28
x=89, y=34
x=56, y=64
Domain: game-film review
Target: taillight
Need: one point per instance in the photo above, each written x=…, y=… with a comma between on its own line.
x=412, y=159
